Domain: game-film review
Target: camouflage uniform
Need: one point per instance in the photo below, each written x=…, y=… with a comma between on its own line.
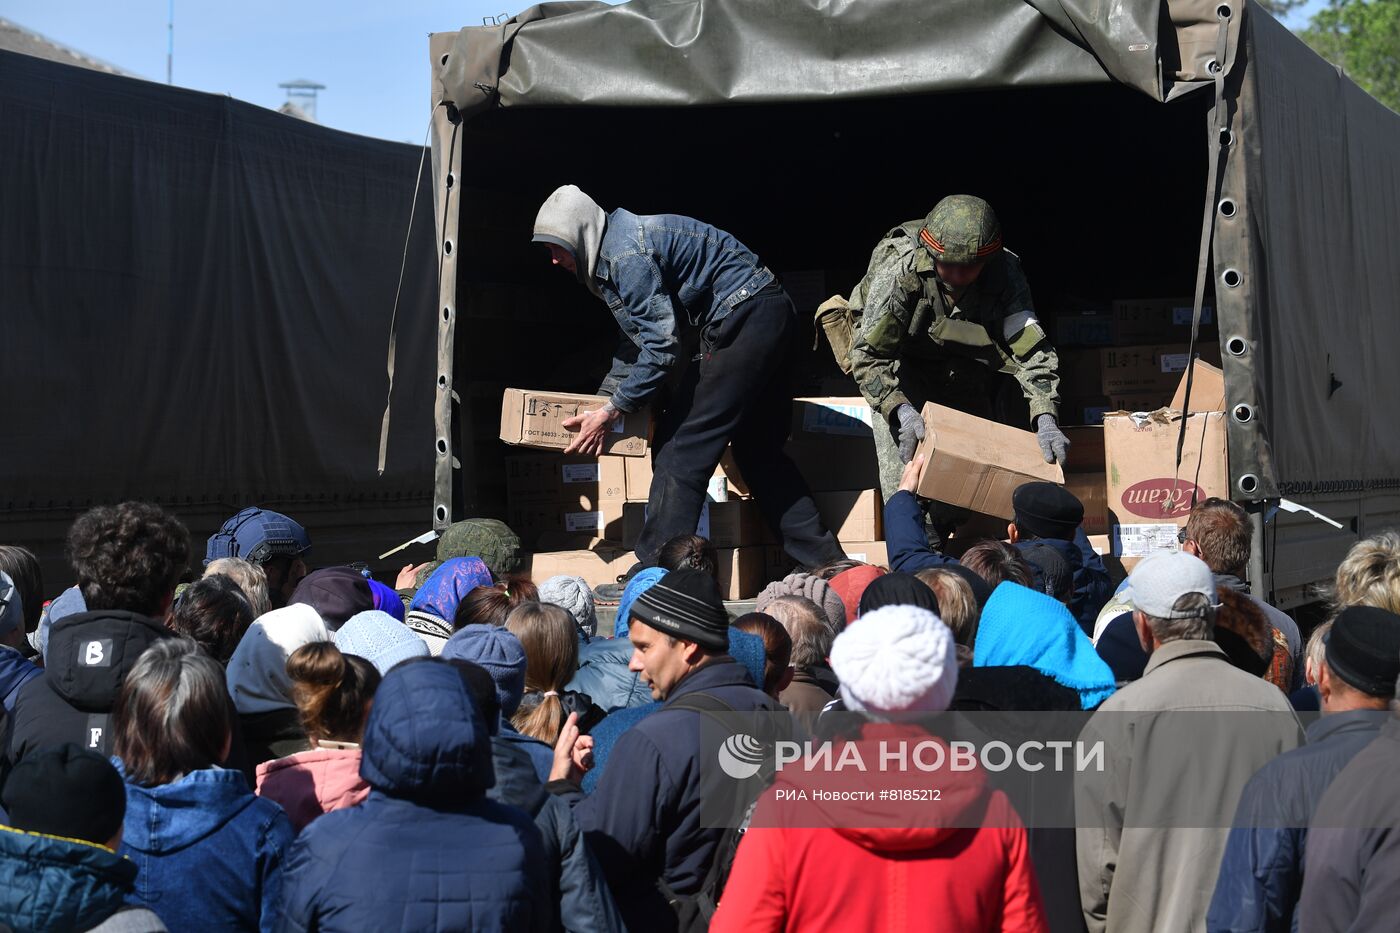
x=487, y=538
x=919, y=342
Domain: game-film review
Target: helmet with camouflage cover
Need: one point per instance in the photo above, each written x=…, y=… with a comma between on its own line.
x=961, y=229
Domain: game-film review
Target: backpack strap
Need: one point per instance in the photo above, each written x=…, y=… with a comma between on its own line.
x=699, y=703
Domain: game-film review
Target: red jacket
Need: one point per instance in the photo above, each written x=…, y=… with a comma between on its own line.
x=967, y=869
x=314, y=782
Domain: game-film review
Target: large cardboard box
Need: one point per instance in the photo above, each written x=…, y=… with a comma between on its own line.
x=1092, y=490
x=1157, y=320
x=1084, y=327
x=1148, y=497
x=833, y=417
x=852, y=515
x=870, y=552
x=598, y=562
x=553, y=477
x=976, y=463
x=1151, y=368
x=1207, y=389
x=735, y=523
x=601, y=519
x=531, y=418
x=638, y=475
x=832, y=443
x=742, y=572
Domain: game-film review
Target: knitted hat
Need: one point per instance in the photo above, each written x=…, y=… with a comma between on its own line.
x=1053, y=575
x=64, y=790
x=898, y=589
x=487, y=538
x=898, y=659
x=850, y=584
x=816, y=589
x=336, y=593
x=11, y=607
x=1363, y=649
x=257, y=671
x=686, y=604
x=380, y=639
x=639, y=584
x=433, y=630
x=500, y=653
x=575, y=595
x=1046, y=510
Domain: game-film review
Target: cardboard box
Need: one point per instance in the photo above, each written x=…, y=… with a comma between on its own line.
x=834, y=417
x=741, y=572
x=531, y=418
x=1207, y=389
x=1086, y=454
x=637, y=472
x=735, y=523
x=777, y=564
x=976, y=463
x=870, y=552
x=602, y=519
x=1148, y=498
x=1088, y=327
x=1080, y=373
x=852, y=515
x=1092, y=490
x=553, y=477
x=832, y=464
x=1157, y=320
x=599, y=562
x=1152, y=368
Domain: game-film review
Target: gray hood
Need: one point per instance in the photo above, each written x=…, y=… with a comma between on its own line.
x=571, y=219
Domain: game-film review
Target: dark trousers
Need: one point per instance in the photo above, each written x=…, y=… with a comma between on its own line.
x=738, y=394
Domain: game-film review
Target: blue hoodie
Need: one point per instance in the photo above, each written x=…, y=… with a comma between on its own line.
x=209, y=853
x=426, y=850
x=49, y=883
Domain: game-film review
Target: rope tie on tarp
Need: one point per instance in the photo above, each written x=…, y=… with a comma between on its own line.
x=398, y=292
x=1219, y=123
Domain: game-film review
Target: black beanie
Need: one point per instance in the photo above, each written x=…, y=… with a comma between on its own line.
x=66, y=791
x=898, y=589
x=1363, y=649
x=686, y=604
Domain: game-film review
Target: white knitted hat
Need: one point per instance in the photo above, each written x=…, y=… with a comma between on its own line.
x=898, y=659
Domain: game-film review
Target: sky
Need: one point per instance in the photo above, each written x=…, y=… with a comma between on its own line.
x=371, y=56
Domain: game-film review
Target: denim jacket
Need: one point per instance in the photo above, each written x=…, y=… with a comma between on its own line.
x=648, y=266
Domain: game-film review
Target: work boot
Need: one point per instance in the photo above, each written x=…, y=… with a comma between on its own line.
x=612, y=592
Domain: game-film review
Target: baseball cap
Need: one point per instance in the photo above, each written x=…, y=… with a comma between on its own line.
x=1159, y=580
x=257, y=535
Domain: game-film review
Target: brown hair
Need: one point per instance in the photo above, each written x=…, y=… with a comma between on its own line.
x=957, y=606
x=839, y=565
x=173, y=714
x=550, y=639
x=808, y=629
x=997, y=562
x=1222, y=534
x=777, y=647
x=688, y=552
x=490, y=605
x=332, y=691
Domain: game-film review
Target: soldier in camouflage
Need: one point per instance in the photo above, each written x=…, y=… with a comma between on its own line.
x=941, y=307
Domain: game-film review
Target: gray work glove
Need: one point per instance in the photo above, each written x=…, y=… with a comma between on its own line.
x=911, y=431
x=1053, y=443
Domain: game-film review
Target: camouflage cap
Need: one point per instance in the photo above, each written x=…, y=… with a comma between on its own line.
x=487, y=538
x=961, y=229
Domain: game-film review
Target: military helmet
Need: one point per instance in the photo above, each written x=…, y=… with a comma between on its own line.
x=961, y=229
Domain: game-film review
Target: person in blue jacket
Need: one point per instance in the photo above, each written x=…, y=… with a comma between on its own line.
x=644, y=820
x=1261, y=872
x=1046, y=515
x=209, y=853
x=667, y=278
x=428, y=849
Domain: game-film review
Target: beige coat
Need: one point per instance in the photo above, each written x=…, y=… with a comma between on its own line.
x=1179, y=746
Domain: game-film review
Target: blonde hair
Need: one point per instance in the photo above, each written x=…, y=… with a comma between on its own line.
x=549, y=637
x=957, y=606
x=1369, y=575
x=250, y=577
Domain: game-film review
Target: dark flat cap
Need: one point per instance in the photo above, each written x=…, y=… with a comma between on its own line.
x=1363, y=649
x=1047, y=510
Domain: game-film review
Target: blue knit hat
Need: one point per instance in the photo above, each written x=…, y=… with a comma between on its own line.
x=639, y=584
x=380, y=639
x=1022, y=627
x=497, y=650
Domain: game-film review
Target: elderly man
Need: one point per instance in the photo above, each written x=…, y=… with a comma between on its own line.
x=664, y=276
x=941, y=306
x=1181, y=744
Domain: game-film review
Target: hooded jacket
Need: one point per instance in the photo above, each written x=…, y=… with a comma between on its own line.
x=603, y=675
x=15, y=671
x=60, y=885
x=576, y=882
x=209, y=854
x=1261, y=873
x=1092, y=585
x=313, y=782
x=426, y=850
x=89, y=655
x=813, y=865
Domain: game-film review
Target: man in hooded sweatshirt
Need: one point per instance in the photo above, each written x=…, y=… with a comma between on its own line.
x=128, y=559
x=666, y=277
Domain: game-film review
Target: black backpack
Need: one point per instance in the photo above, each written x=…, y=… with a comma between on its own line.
x=694, y=911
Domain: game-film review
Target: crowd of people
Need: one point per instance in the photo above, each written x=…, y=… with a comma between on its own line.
x=260, y=745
